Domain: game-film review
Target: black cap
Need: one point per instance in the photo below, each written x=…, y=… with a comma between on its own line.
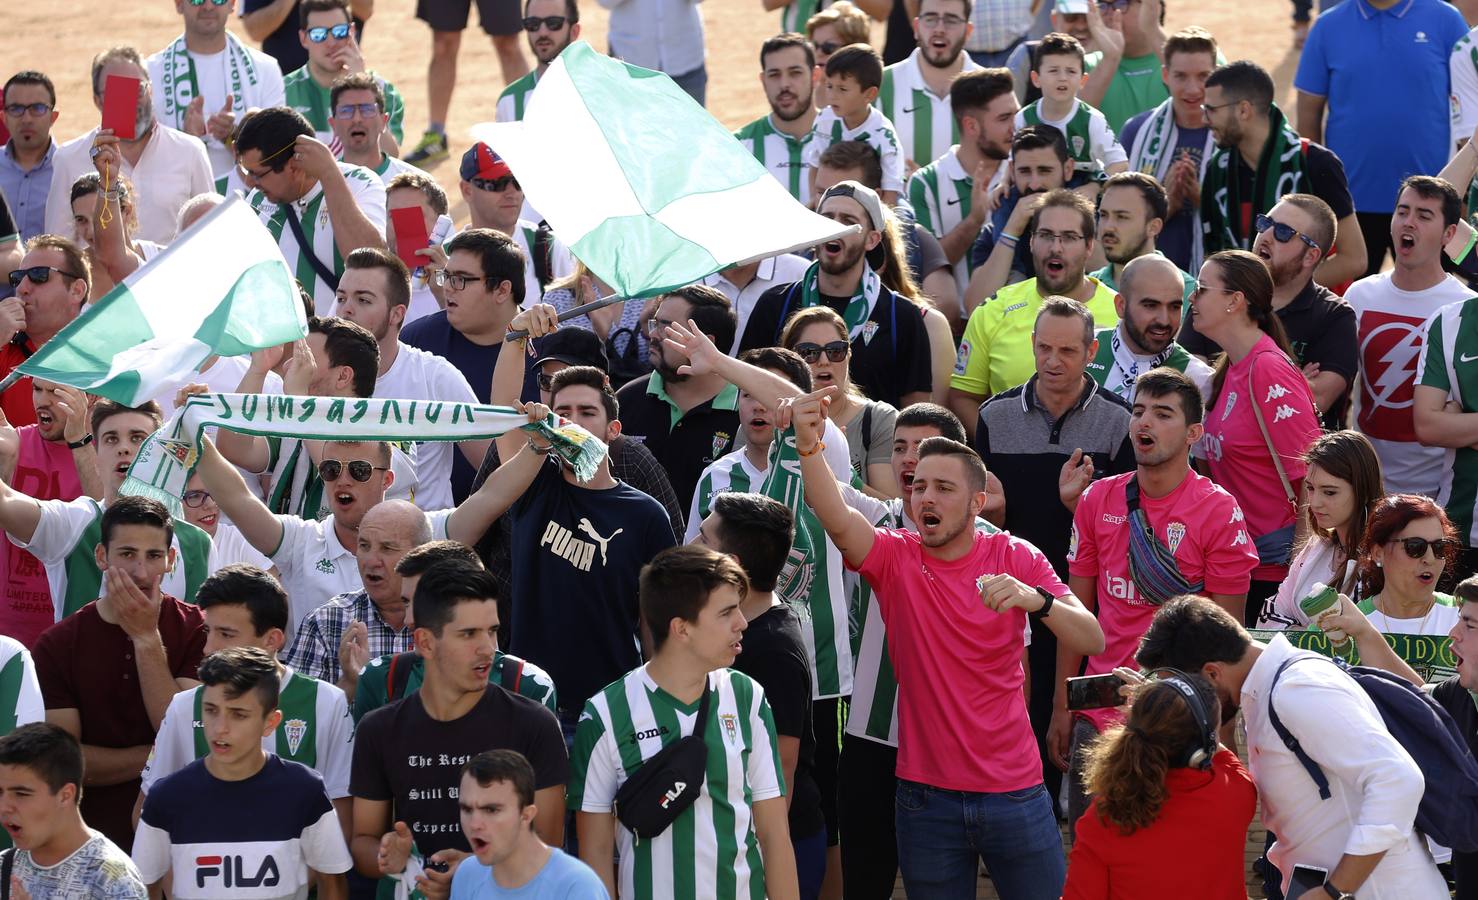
x=573, y=346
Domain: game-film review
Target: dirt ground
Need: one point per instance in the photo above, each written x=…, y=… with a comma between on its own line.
x=62, y=40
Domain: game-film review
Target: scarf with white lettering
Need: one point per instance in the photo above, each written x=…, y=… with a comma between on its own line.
x=168, y=456
x=1153, y=152
x=1279, y=171
x=181, y=86
x=859, y=308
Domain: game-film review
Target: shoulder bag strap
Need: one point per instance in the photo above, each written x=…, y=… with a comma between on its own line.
x=7, y=863
x=322, y=271
x=1262, y=426
x=702, y=724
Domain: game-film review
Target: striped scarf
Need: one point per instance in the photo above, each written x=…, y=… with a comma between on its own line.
x=1279, y=171
x=1153, y=153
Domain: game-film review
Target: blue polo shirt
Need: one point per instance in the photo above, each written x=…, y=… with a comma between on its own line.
x=1385, y=75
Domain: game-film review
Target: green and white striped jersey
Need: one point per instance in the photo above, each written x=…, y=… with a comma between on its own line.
x=514, y=100
x=940, y=196
x=923, y=120
x=711, y=851
x=781, y=154
x=311, y=99
x=20, y=689
x=316, y=730
x=389, y=167
x=312, y=214
x=70, y=530
x=875, y=131
x=1116, y=367
x=1090, y=141
x=795, y=16
x=1449, y=362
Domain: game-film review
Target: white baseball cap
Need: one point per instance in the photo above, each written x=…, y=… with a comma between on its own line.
x=1072, y=7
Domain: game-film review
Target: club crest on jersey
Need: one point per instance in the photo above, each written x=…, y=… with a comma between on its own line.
x=731, y=726
x=720, y=441
x=1231, y=402
x=869, y=328
x=295, y=729
x=1175, y=531
x=1078, y=144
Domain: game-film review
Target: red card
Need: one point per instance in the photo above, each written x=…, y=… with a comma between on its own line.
x=410, y=235
x=121, y=105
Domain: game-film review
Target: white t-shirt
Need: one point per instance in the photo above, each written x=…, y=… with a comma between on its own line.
x=230, y=547
x=212, y=74
x=787, y=268
x=419, y=375
x=423, y=302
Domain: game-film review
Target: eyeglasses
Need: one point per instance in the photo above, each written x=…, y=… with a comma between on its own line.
x=1068, y=238
x=1208, y=109
x=553, y=23
x=836, y=351
x=497, y=185
x=1113, y=4
x=1416, y=547
x=1203, y=288
x=37, y=274
x=456, y=280
x=1281, y=233
x=546, y=382
x=360, y=470
x=934, y=20
x=321, y=33
x=195, y=499
x=346, y=112
x=829, y=47
x=656, y=326
x=16, y=110
x=214, y=2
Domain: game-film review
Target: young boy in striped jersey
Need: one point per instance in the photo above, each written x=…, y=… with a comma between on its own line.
x=853, y=76
x=1059, y=73
x=246, y=607
x=734, y=840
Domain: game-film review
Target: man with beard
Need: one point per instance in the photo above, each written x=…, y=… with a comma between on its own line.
x=687, y=421
x=1149, y=304
x=1131, y=216
x=949, y=194
x=891, y=361
x=327, y=33
x=167, y=166
x=357, y=107
x=1210, y=553
x=551, y=26
x=963, y=756
x=29, y=100
x=207, y=78
x=996, y=350
x=915, y=94
x=1239, y=186
x=778, y=141
x=1293, y=239
x=1363, y=835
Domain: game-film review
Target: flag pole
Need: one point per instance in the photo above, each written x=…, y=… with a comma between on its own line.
x=577, y=312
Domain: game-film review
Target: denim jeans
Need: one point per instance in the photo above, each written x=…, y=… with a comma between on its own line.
x=942, y=836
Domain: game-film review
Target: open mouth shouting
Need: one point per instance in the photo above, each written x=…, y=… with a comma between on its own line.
x=343, y=499
x=832, y=248
x=1144, y=441
x=478, y=844
x=1426, y=577
x=1406, y=242
x=1055, y=266
x=929, y=519
x=482, y=669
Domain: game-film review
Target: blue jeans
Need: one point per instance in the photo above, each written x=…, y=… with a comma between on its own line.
x=942, y=836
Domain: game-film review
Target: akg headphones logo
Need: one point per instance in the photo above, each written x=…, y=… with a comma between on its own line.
x=231, y=871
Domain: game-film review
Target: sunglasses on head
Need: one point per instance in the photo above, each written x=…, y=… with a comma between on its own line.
x=1416, y=547
x=37, y=274
x=1281, y=233
x=553, y=23
x=195, y=499
x=360, y=470
x=320, y=33
x=496, y=185
x=836, y=351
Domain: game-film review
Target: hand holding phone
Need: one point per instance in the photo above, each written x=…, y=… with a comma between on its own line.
x=1094, y=692
x=1306, y=879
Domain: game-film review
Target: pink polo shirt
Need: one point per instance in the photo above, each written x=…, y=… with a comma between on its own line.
x=962, y=721
x=43, y=470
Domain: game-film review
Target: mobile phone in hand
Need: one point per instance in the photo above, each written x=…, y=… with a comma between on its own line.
x=1094, y=692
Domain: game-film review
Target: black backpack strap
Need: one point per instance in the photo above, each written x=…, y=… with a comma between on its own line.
x=866, y=435
x=399, y=674
x=784, y=312
x=1291, y=742
x=510, y=673
x=543, y=253
x=702, y=723
x=7, y=863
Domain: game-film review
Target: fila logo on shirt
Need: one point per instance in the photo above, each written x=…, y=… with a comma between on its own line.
x=232, y=871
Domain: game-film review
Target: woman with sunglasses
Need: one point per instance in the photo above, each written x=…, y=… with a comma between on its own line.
x=1408, y=545
x=1261, y=417
x=1341, y=488
x=819, y=335
x=830, y=30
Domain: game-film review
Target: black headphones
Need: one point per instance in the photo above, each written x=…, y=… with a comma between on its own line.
x=1199, y=755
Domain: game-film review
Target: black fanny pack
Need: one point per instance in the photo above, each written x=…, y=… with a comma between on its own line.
x=667, y=784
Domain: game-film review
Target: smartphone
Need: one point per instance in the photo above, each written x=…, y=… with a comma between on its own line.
x=1094, y=692
x=1305, y=879
x=435, y=865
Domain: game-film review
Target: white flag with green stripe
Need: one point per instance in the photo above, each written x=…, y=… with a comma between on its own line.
x=640, y=182
x=221, y=289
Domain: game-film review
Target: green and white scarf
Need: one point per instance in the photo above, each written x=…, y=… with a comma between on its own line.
x=859, y=308
x=1279, y=171
x=181, y=86
x=168, y=456
x=1153, y=152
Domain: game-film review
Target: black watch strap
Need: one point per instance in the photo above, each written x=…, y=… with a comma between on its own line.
x=1335, y=892
x=78, y=445
x=1047, y=601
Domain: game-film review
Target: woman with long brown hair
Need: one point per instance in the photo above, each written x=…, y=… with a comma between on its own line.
x=1261, y=418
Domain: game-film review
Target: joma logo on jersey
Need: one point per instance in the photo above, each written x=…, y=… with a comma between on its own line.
x=677, y=791
x=564, y=544
x=231, y=871
x=637, y=736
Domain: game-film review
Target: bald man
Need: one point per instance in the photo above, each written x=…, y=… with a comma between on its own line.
x=1149, y=302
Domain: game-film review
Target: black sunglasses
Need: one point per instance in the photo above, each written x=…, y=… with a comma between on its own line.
x=553, y=23
x=498, y=184
x=37, y=274
x=836, y=351
x=829, y=47
x=360, y=470
x=546, y=382
x=1416, y=547
x=1281, y=232
x=195, y=499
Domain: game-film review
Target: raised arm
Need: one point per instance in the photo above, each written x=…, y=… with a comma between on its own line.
x=250, y=515
x=538, y=320
x=470, y=521
x=352, y=228
x=704, y=358
x=260, y=23
x=248, y=451
x=848, y=528
x=19, y=513
x=109, y=246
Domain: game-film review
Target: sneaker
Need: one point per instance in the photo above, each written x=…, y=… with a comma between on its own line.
x=432, y=148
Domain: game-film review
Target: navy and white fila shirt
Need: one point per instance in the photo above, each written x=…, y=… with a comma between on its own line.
x=254, y=839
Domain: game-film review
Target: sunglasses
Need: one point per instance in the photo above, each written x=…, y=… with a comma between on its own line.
x=497, y=185
x=346, y=112
x=829, y=47
x=360, y=470
x=321, y=33
x=215, y=2
x=195, y=499
x=37, y=274
x=1416, y=547
x=546, y=382
x=836, y=351
x=1281, y=233
x=16, y=110
x=553, y=23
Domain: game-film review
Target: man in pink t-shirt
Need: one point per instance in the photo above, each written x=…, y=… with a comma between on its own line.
x=42, y=461
x=1197, y=522
x=955, y=603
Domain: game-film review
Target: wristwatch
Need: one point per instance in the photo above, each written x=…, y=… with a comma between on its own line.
x=1336, y=893
x=78, y=445
x=1047, y=601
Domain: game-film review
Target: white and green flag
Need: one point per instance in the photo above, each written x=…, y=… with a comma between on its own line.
x=221, y=289
x=640, y=182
